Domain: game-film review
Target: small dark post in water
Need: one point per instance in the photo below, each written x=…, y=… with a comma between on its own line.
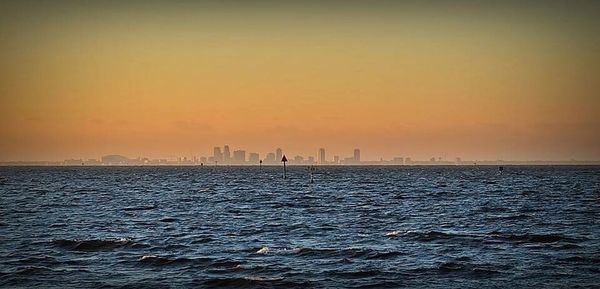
x=260, y=164
x=284, y=160
x=501, y=168
x=311, y=169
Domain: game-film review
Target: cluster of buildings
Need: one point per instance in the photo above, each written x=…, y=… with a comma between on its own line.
x=225, y=156
x=238, y=157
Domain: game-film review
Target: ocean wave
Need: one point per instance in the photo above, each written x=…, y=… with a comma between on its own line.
x=141, y=208
x=568, y=246
x=433, y=235
x=253, y=281
x=202, y=240
x=469, y=268
x=159, y=260
x=195, y=261
x=263, y=250
x=32, y=270
x=531, y=238
x=356, y=274
x=346, y=254
x=83, y=190
x=492, y=209
x=451, y=266
x=328, y=252
x=383, y=255
x=168, y=219
x=581, y=259
x=94, y=244
x=225, y=263
x=33, y=260
x=509, y=217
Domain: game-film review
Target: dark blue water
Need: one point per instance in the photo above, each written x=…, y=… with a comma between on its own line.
x=466, y=227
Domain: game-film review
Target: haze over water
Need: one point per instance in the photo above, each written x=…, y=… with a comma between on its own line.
x=481, y=80
x=354, y=227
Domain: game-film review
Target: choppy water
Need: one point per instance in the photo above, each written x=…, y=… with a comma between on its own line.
x=466, y=227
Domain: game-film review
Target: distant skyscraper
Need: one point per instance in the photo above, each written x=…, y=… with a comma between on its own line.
x=357, y=155
x=253, y=158
x=112, y=160
x=321, y=156
x=398, y=161
x=239, y=156
x=298, y=159
x=336, y=159
x=226, y=154
x=217, y=154
x=270, y=159
x=278, y=154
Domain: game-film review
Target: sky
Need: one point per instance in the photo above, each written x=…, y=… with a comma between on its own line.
x=512, y=80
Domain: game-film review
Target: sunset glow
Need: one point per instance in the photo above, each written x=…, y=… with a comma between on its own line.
x=497, y=81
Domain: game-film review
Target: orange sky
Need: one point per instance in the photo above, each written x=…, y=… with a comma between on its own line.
x=469, y=79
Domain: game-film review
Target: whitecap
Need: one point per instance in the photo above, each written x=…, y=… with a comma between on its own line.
x=256, y=278
x=148, y=257
x=263, y=250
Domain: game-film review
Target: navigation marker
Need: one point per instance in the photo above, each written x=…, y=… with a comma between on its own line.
x=284, y=160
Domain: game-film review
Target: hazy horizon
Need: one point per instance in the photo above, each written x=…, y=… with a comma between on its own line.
x=517, y=80
x=372, y=157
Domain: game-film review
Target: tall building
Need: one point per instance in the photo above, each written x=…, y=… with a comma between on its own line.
x=217, y=155
x=226, y=154
x=253, y=158
x=239, y=156
x=321, y=156
x=336, y=159
x=357, y=155
x=298, y=159
x=270, y=159
x=113, y=160
x=278, y=154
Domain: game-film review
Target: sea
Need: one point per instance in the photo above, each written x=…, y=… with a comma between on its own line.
x=344, y=227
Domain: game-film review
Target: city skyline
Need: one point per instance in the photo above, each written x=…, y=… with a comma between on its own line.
x=222, y=156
